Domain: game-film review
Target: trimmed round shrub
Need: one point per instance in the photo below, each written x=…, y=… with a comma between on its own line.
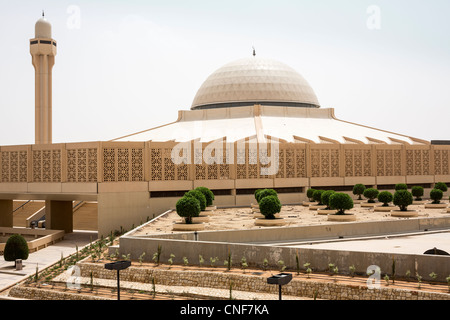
x=188, y=207
x=401, y=186
x=16, y=247
x=325, y=197
x=436, y=195
x=265, y=193
x=441, y=186
x=199, y=196
x=371, y=194
x=385, y=197
x=417, y=191
x=209, y=195
x=310, y=194
x=256, y=194
x=341, y=202
x=317, y=196
x=403, y=198
x=358, y=190
x=269, y=206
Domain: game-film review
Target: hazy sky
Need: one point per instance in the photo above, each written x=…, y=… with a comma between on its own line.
x=126, y=66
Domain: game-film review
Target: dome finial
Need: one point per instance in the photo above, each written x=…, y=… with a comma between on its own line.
x=43, y=15
x=254, y=51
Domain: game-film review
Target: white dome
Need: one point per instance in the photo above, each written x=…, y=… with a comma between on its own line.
x=43, y=29
x=255, y=81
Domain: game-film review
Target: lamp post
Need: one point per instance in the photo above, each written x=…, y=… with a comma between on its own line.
x=280, y=279
x=118, y=265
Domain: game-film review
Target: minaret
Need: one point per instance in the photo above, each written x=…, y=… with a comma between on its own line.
x=43, y=52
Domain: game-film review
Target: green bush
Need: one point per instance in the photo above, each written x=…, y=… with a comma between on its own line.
x=310, y=194
x=436, y=195
x=199, y=196
x=16, y=247
x=417, y=191
x=401, y=186
x=358, y=190
x=256, y=194
x=209, y=195
x=269, y=206
x=403, y=198
x=441, y=186
x=325, y=198
x=317, y=196
x=385, y=197
x=188, y=207
x=341, y=202
x=265, y=193
x=371, y=194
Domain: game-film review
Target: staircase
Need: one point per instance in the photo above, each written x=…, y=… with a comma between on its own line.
x=23, y=209
x=85, y=217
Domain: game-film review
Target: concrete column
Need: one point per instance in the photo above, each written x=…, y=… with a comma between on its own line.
x=59, y=215
x=6, y=213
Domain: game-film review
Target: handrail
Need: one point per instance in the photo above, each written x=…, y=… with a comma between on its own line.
x=21, y=206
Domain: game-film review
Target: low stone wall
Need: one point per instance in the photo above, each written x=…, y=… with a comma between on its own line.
x=32, y=293
x=253, y=283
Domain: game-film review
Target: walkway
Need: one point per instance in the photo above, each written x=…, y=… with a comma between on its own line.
x=44, y=257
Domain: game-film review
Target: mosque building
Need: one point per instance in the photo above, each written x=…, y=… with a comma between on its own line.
x=254, y=123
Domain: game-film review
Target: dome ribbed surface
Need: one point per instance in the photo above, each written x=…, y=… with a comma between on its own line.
x=254, y=80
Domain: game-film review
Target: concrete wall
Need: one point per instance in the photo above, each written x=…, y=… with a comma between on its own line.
x=221, y=243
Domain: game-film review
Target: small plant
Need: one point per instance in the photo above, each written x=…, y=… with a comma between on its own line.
x=448, y=282
x=154, y=287
x=170, y=260
x=269, y=206
x=228, y=262
x=417, y=192
x=185, y=261
x=436, y=195
x=401, y=186
x=141, y=258
x=265, y=193
x=213, y=261
x=317, y=196
x=352, y=270
x=16, y=247
x=187, y=208
x=209, y=195
x=310, y=194
x=393, y=270
x=91, y=280
x=265, y=264
x=358, y=190
x=386, y=278
x=308, y=272
x=197, y=194
x=341, y=202
x=335, y=271
x=244, y=264
x=157, y=255
x=325, y=198
x=385, y=197
x=281, y=265
x=231, y=290
x=441, y=186
x=433, y=275
x=403, y=199
x=126, y=257
x=200, y=260
x=371, y=194
x=408, y=274
x=330, y=267
x=419, y=279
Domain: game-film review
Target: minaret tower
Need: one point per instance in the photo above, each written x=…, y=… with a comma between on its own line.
x=43, y=52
